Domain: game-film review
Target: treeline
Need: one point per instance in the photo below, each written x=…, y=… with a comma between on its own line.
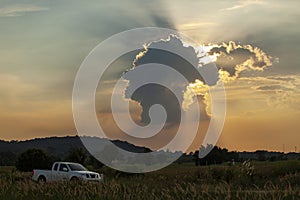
x=33, y=158
x=216, y=155
x=210, y=155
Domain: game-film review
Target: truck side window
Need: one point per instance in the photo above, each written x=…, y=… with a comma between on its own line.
x=55, y=167
x=63, y=168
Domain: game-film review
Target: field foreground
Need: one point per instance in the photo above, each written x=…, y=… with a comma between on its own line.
x=259, y=180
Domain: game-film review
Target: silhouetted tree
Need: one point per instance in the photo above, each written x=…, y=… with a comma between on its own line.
x=217, y=155
x=94, y=162
x=33, y=159
x=196, y=157
x=261, y=155
x=77, y=155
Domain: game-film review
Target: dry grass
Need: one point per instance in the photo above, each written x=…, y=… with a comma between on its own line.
x=174, y=182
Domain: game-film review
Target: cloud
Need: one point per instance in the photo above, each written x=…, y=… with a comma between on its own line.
x=231, y=59
x=202, y=91
x=272, y=83
x=282, y=78
x=283, y=95
x=244, y=4
x=272, y=88
x=20, y=10
x=151, y=94
x=280, y=93
x=235, y=58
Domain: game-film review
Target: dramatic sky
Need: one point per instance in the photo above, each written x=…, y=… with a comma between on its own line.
x=255, y=44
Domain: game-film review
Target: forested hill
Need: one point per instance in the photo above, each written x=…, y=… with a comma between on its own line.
x=59, y=146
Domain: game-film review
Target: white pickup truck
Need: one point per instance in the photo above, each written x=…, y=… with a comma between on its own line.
x=66, y=171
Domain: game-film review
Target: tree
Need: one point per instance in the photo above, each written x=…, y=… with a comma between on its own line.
x=196, y=157
x=33, y=159
x=77, y=155
x=216, y=155
x=94, y=162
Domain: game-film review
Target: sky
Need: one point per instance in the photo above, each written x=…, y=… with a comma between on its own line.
x=43, y=43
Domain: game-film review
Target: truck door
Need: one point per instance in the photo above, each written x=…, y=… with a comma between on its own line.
x=54, y=173
x=63, y=172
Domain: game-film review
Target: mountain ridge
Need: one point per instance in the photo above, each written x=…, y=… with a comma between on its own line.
x=59, y=146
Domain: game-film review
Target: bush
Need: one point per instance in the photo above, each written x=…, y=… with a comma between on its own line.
x=33, y=159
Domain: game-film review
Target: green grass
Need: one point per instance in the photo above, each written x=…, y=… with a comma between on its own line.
x=259, y=180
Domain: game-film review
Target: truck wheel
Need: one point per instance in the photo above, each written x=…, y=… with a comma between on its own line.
x=74, y=179
x=41, y=179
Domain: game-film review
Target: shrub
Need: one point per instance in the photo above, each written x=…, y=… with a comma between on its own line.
x=32, y=159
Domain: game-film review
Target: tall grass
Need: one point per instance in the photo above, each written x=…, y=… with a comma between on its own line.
x=268, y=181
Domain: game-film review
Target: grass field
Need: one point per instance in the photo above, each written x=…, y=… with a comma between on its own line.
x=258, y=180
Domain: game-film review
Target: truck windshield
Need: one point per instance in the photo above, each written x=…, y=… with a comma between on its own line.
x=77, y=167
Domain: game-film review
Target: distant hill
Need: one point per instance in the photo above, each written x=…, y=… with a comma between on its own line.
x=59, y=146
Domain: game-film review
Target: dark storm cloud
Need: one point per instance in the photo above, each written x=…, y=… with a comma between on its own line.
x=151, y=94
x=228, y=61
x=231, y=58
